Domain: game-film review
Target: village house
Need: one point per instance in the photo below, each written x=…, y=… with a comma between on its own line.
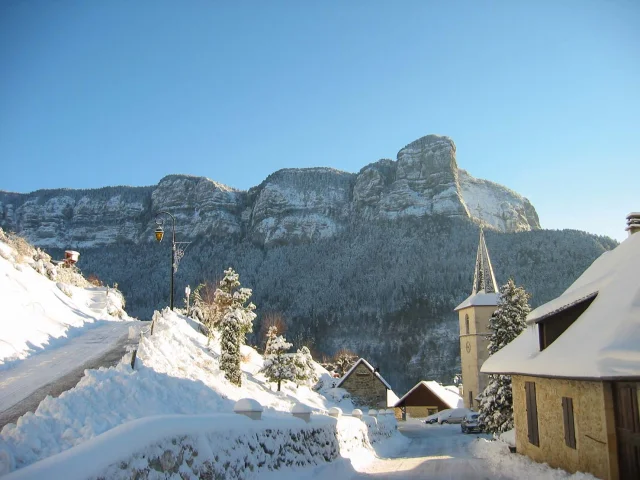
x=576, y=370
x=427, y=398
x=474, y=314
x=367, y=387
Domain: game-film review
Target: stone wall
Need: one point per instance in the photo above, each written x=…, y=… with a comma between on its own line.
x=593, y=418
x=365, y=388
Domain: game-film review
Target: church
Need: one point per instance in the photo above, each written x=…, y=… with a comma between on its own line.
x=473, y=315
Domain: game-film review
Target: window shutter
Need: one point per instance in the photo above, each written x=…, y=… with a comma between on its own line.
x=569, y=425
x=532, y=413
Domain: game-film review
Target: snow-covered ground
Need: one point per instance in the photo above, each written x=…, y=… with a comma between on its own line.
x=52, y=320
x=512, y=465
x=44, y=306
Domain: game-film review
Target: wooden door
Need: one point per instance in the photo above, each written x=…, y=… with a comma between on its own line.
x=625, y=398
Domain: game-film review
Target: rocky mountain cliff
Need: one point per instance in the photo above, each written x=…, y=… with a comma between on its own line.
x=290, y=205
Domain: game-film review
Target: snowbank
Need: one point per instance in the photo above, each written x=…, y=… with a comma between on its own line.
x=509, y=437
x=503, y=463
x=175, y=373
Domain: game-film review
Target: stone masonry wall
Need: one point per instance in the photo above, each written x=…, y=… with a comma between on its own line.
x=365, y=388
x=593, y=418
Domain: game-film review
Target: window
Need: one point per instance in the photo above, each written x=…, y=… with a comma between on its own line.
x=555, y=324
x=466, y=324
x=470, y=399
x=532, y=413
x=569, y=426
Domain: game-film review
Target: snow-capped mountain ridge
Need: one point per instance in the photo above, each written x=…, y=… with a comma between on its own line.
x=294, y=204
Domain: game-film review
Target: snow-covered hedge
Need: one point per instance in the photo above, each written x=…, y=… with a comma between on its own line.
x=387, y=426
x=352, y=435
x=203, y=446
x=209, y=446
x=380, y=427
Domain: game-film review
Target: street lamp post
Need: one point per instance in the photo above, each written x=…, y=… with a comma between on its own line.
x=177, y=252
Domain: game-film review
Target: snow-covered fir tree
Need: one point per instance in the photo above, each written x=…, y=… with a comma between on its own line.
x=304, y=370
x=271, y=334
x=236, y=321
x=506, y=323
x=230, y=358
x=278, y=365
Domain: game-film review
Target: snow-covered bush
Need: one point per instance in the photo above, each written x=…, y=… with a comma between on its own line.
x=341, y=362
x=71, y=275
x=20, y=245
x=115, y=303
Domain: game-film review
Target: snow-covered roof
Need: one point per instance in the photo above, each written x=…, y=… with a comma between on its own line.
x=604, y=342
x=479, y=299
x=368, y=365
x=452, y=399
x=392, y=398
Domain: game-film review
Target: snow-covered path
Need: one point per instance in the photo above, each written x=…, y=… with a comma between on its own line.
x=19, y=382
x=435, y=452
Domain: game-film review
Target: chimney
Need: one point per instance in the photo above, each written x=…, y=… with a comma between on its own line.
x=633, y=223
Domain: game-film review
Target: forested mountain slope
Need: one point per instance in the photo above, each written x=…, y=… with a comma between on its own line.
x=385, y=289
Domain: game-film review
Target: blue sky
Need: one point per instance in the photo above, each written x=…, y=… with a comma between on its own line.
x=543, y=97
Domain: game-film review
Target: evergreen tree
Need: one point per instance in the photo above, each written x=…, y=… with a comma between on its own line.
x=271, y=335
x=230, y=348
x=506, y=323
x=278, y=365
x=236, y=320
x=304, y=370
x=229, y=297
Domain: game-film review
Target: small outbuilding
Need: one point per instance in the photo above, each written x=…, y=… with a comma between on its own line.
x=367, y=387
x=427, y=398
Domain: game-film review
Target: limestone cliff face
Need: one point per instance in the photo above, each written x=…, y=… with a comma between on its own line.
x=291, y=205
x=423, y=181
x=300, y=204
x=201, y=206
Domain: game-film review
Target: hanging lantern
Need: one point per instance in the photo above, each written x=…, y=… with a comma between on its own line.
x=159, y=233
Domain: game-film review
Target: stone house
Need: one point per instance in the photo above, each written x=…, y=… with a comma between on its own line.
x=576, y=370
x=426, y=398
x=367, y=387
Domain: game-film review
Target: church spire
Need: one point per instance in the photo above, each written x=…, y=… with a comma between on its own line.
x=484, y=281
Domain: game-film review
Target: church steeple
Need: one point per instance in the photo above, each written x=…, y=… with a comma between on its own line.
x=484, y=281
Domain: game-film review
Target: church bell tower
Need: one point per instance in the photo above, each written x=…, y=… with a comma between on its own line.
x=474, y=314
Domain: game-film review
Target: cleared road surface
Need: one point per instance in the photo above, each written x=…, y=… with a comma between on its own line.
x=436, y=452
